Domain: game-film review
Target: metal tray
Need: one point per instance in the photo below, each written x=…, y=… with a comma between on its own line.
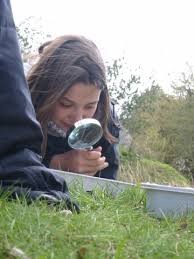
x=162, y=200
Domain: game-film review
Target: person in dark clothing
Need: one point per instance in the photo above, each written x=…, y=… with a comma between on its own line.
x=68, y=83
x=21, y=170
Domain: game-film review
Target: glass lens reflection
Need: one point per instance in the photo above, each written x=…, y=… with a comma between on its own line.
x=85, y=136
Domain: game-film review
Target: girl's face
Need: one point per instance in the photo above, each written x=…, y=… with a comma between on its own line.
x=79, y=102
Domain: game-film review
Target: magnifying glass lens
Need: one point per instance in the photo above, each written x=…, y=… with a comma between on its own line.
x=85, y=134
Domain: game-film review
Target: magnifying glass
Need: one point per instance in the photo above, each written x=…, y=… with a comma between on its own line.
x=84, y=134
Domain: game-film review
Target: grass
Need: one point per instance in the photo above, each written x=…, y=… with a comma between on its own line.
x=106, y=228
x=136, y=169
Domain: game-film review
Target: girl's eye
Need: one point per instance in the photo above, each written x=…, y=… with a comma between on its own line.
x=90, y=107
x=66, y=105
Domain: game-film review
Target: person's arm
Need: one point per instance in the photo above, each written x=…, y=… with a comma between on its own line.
x=60, y=156
x=21, y=170
x=19, y=128
x=79, y=161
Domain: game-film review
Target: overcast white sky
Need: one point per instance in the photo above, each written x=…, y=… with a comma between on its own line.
x=157, y=35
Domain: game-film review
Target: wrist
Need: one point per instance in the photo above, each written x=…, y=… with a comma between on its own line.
x=55, y=162
x=61, y=162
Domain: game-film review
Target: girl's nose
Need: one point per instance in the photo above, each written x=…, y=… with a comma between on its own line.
x=78, y=115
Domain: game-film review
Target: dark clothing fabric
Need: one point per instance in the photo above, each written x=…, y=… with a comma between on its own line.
x=21, y=170
x=59, y=145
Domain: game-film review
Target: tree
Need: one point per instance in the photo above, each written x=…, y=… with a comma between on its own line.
x=144, y=123
x=122, y=83
x=161, y=125
x=185, y=84
x=141, y=102
x=31, y=35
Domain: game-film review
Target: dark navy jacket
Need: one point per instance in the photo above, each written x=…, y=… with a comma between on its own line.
x=20, y=133
x=59, y=145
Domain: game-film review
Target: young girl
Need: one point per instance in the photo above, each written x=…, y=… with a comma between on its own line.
x=68, y=83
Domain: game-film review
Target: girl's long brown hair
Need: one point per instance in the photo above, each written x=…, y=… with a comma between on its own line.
x=63, y=62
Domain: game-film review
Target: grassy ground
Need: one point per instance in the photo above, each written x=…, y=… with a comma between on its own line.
x=136, y=169
x=151, y=171
x=106, y=228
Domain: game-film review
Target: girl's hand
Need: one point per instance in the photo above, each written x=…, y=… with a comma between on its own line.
x=80, y=161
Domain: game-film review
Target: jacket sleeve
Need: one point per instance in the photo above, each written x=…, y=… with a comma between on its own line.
x=16, y=111
x=20, y=133
x=111, y=151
